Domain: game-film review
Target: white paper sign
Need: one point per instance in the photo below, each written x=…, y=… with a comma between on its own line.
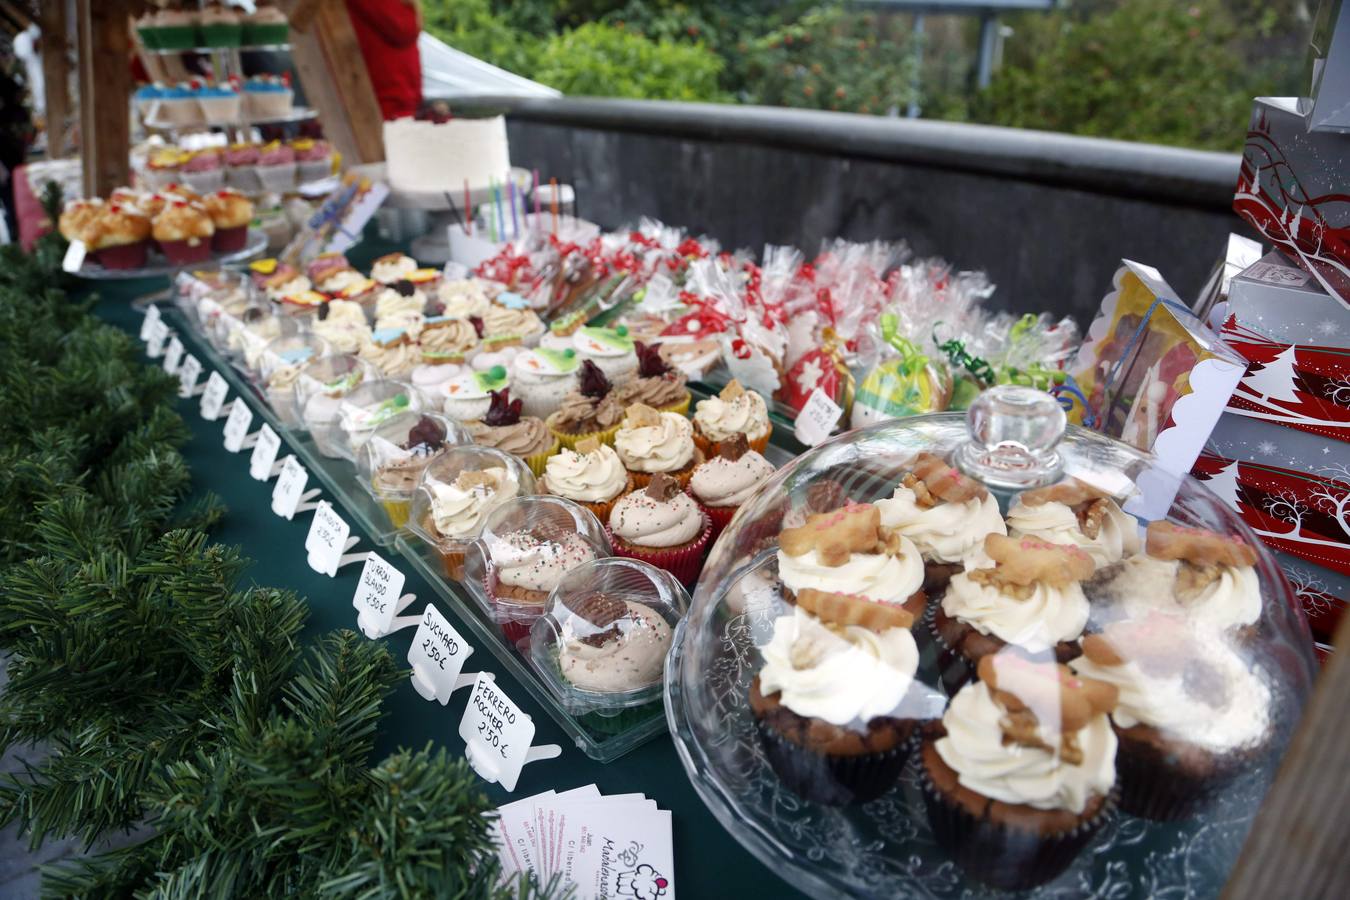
x=377, y=593
x=290, y=487
x=151, y=317
x=817, y=419
x=237, y=426
x=74, y=257
x=213, y=398
x=264, y=454
x=154, y=342
x=1285, y=276
x=497, y=733
x=327, y=540
x=173, y=355
x=437, y=656
x=188, y=372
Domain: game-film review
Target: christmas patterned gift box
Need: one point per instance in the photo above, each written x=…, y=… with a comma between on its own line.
x=1322, y=593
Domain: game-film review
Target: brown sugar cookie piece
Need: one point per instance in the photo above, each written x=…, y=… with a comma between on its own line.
x=941, y=481
x=1024, y=561
x=846, y=609
x=1197, y=546
x=1042, y=699
x=834, y=535
x=1090, y=504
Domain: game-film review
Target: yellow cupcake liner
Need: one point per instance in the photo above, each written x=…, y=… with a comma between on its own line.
x=538, y=461
x=570, y=441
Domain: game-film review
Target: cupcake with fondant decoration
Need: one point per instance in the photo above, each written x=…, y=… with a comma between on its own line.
x=468, y=397
x=590, y=474
x=504, y=428
x=588, y=411
x=503, y=326
x=657, y=385
x=1025, y=592
x=431, y=378
x=609, y=348
x=649, y=442
x=1193, y=715
x=117, y=236
x=946, y=514
x=1074, y=512
x=1021, y=772
x=662, y=525
x=543, y=378
x=183, y=231
x=1206, y=578
x=391, y=351
x=728, y=479
x=836, y=703
x=313, y=159
x=230, y=212
x=846, y=551
x=733, y=411
x=447, y=340
x=342, y=324
x=392, y=268
x=325, y=266
x=400, y=297
x=457, y=492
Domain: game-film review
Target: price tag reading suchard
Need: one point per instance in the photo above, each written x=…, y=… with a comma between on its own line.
x=437, y=656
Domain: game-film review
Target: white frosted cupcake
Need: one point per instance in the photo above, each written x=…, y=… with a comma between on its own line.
x=1073, y=512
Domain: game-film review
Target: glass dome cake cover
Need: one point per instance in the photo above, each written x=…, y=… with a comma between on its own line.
x=940, y=655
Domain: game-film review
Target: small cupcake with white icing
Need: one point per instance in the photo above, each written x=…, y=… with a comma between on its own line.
x=729, y=479
x=651, y=442
x=1074, y=512
x=609, y=348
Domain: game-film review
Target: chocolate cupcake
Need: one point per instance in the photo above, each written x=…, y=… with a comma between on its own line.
x=946, y=514
x=834, y=704
x=1019, y=775
x=1193, y=714
x=590, y=411
x=657, y=385
x=1074, y=512
x=1029, y=595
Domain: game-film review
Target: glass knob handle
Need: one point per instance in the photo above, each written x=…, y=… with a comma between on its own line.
x=1013, y=434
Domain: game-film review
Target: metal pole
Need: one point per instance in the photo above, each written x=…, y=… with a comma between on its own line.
x=988, y=43
x=916, y=77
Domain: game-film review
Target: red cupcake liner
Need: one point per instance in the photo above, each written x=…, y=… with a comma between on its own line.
x=685, y=563
x=720, y=516
x=182, y=253
x=514, y=630
x=122, y=256
x=230, y=240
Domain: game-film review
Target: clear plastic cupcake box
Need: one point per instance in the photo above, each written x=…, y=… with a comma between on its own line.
x=279, y=368
x=393, y=458
x=940, y=747
x=368, y=407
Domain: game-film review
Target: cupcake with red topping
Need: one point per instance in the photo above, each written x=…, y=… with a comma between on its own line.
x=230, y=212
x=117, y=236
x=184, y=232
x=657, y=385
x=524, y=437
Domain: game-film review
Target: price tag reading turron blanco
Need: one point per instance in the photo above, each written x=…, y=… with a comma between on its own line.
x=290, y=488
x=497, y=733
x=213, y=397
x=378, y=593
x=264, y=454
x=437, y=656
x=237, y=426
x=327, y=540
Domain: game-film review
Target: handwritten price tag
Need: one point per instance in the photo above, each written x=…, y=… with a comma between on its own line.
x=818, y=418
x=188, y=372
x=497, y=732
x=377, y=592
x=237, y=426
x=213, y=398
x=151, y=317
x=327, y=539
x=154, y=343
x=173, y=355
x=437, y=656
x=264, y=454
x=290, y=487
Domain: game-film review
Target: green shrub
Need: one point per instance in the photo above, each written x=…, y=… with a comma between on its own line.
x=472, y=27
x=606, y=61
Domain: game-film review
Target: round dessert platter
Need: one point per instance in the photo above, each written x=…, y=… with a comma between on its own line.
x=159, y=266
x=861, y=747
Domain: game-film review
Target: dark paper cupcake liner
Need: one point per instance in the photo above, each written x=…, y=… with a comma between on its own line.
x=833, y=780
x=954, y=670
x=1000, y=855
x=1153, y=787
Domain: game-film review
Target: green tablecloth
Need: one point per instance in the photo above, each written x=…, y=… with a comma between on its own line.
x=708, y=861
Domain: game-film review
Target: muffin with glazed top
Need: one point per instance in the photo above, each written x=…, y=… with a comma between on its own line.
x=184, y=232
x=733, y=411
x=661, y=525
x=590, y=474
x=504, y=428
x=230, y=212
x=651, y=442
x=116, y=236
x=77, y=214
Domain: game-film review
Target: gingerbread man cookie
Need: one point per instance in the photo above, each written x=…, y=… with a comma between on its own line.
x=848, y=609
x=834, y=535
x=933, y=481
x=1025, y=561
x=1197, y=546
x=1044, y=698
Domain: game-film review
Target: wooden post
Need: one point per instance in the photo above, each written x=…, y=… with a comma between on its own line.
x=56, y=75
x=333, y=74
x=1296, y=847
x=105, y=94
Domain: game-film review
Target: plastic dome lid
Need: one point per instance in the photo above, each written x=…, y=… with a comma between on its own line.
x=369, y=406
x=391, y=461
x=931, y=616
x=459, y=489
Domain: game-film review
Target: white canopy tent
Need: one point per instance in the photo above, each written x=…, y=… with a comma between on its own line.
x=448, y=73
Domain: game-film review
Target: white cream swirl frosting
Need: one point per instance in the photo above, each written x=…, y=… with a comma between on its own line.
x=592, y=477
x=663, y=447
x=841, y=676
x=725, y=482
x=388, y=269
x=462, y=299
x=719, y=419
x=391, y=303
x=638, y=519
x=947, y=532
x=1050, y=615
x=1231, y=600
x=1058, y=524
x=984, y=762
x=876, y=576
x=458, y=508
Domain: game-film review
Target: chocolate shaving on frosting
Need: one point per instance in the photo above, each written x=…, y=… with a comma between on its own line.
x=662, y=488
x=733, y=448
x=602, y=612
x=404, y=288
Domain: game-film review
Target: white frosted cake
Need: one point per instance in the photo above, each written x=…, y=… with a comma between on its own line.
x=425, y=156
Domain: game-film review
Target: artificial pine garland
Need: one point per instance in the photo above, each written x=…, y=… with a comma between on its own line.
x=169, y=696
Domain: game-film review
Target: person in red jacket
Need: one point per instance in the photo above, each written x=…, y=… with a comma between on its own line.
x=387, y=31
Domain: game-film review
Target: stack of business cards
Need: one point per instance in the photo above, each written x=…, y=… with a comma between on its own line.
x=608, y=847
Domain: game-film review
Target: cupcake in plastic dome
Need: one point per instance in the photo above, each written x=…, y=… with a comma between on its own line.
x=342, y=323
x=319, y=389
x=282, y=361
x=368, y=407
x=1070, y=689
x=456, y=493
x=527, y=547
x=602, y=641
x=392, y=461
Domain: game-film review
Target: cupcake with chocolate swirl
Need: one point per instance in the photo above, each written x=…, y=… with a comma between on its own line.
x=504, y=428
x=657, y=385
